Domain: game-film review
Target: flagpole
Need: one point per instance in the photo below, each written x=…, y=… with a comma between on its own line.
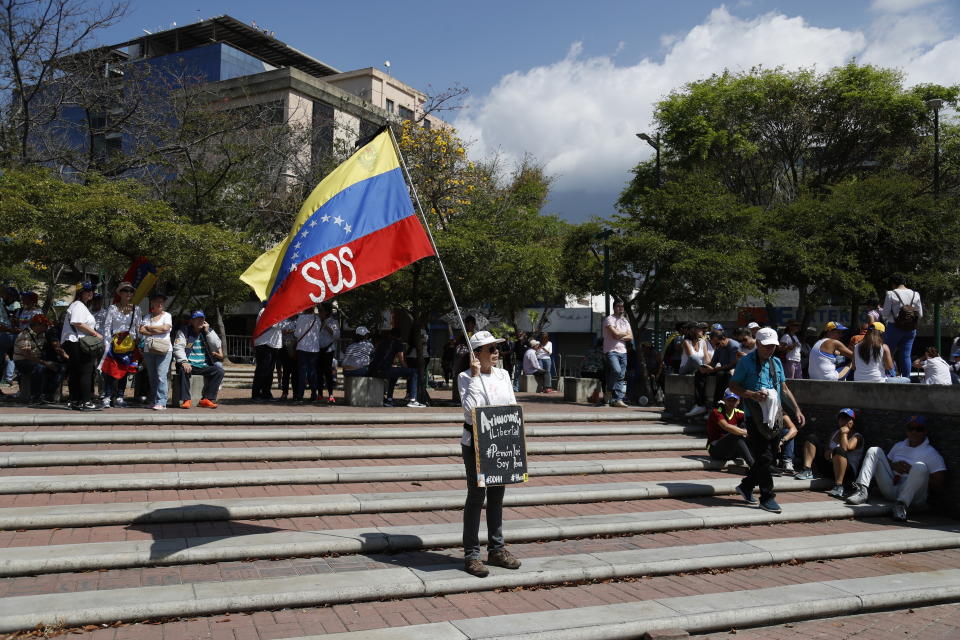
x=433, y=243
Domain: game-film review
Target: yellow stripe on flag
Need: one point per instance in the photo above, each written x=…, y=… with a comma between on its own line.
x=144, y=288
x=376, y=157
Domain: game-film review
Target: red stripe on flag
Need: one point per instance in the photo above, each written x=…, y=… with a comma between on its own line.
x=327, y=275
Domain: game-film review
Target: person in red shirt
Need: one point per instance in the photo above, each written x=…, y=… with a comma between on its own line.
x=726, y=438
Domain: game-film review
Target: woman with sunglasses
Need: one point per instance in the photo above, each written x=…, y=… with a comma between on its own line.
x=484, y=384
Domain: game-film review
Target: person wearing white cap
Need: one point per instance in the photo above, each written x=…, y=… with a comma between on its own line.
x=356, y=359
x=484, y=384
x=533, y=367
x=754, y=327
x=759, y=378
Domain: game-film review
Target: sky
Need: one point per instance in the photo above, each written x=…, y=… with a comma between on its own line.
x=569, y=82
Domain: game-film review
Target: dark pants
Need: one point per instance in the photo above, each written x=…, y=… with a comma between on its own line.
x=80, y=368
x=700, y=386
x=113, y=388
x=472, y=507
x=325, y=377
x=287, y=365
x=759, y=474
x=32, y=376
x=212, y=377
x=729, y=447
x=263, y=374
x=306, y=374
x=392, y=374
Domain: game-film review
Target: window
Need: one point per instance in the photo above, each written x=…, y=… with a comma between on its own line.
x=390, y=106
x=406, y=114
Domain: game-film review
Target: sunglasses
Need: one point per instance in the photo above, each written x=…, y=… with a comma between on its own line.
x=489, y=348
x=914, y=427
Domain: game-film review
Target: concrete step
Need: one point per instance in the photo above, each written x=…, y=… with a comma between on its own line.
x=80, y=515
x=695, y=614
x=332, y=433
x=332, y=475
x=318, y=415
x=201, y=598
x=112, y=555
x=252, y=454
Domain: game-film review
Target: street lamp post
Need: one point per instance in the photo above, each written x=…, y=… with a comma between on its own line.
x=605, y=236
x=655, y=143
x=935, y=104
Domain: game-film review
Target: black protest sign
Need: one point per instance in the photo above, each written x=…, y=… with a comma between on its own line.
x=499, y=445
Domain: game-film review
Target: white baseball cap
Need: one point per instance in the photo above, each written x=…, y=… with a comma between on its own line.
x=753, y=325
x=362, y=331
x=481, y=338
x=767, y=336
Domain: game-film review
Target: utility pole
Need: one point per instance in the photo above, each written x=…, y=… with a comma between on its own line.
x=935, y=104
x=655, y=143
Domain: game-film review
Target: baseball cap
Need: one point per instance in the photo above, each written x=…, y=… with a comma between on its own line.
x=848, y=412
x=125, y=286
x=877, y=326
x=834, y=326
x=481, y=338
x=920, y=421
x=197, y=314
x=730, y=394
x=716, y=327
x=533, y=343
x=362, y=331
x=85, y=286
x=41, y=319
x=767, y=336
x=753, y=325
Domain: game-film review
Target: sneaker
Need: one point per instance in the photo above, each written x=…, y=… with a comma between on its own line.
x=503, y=558
x=836, y=492
x=900, y=511
x=806, y=474
x=331, y=400
x=159, y=407
x=89, y=406
x=788, y=465
x=619, y=404
x=770, y=505
x=747, y=497
x=120, y=403
x=859, y=496
x=388, y=403
x=696, y=411
x=207, y=404
x=105, y=404
x=416, y=405
x=186, y=404
x=474, y=567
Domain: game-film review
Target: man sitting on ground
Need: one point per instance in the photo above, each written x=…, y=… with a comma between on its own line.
x=904, y=474
x=197, y=352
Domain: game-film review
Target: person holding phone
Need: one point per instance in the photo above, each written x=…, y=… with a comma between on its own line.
x=197, y=352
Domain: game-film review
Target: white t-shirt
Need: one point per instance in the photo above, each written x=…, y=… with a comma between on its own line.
x=272, y=337
x=307, y=332
x=924, y=452
x=793, y=343
x=77, y=313
x=158, y=320
x=544, y=351
x=936, y=371
x=499, y=391
x=892, y=304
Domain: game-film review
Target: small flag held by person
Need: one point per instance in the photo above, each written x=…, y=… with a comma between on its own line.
x=358, y=225
x=142, y=275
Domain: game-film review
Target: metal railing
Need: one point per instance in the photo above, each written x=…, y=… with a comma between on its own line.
x=240, y=349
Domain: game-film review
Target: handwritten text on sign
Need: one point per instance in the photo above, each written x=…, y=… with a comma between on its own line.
x=499, y=445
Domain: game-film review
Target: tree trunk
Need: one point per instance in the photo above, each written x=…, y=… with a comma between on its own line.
x=221, y=331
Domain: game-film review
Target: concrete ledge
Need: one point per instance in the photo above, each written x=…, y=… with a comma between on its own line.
x=580, y=389
x=340, y=433
x=333, y=475
x=78, y=515
x=115, y=555
x=222, y=417
x=252, y=454
x=202, y=598
x=364, y=391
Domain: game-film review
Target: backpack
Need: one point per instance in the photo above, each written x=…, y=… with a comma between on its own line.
x=908, y=317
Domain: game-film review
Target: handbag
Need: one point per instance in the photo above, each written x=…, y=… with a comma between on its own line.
x=90, y=345
x=159, y=346
x=123, y=342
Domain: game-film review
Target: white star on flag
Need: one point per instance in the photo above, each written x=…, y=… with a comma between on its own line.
x=296, y=246
x=346, y=228
x=313, y=223
x=296, y=254
x=338, y=221
x=325, y=218
x=304, y=234
x=293, y=268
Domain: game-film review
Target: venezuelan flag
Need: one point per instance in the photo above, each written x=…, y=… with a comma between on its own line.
x=142, y=275
x=358, y=225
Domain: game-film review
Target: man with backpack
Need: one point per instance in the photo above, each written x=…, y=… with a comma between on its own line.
x=901, y=311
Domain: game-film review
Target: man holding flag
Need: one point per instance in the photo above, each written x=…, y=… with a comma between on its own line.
x=358, y=225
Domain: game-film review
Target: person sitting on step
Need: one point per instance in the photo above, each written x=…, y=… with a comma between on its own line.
x=726, y=438
x=843, y=454
x=906, y=473
x=197, y=352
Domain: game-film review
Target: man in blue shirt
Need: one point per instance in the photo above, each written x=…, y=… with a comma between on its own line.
x=758, y=374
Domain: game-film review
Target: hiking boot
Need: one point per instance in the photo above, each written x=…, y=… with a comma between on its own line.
x=186, y=404
x=474, y=567
x=770, y=505
x=502, y=558
x=747, y=497
x=207, y=404
x=859, y=496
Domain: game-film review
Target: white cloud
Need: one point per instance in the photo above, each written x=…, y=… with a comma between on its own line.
x=899, y=6
x=579, y=114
